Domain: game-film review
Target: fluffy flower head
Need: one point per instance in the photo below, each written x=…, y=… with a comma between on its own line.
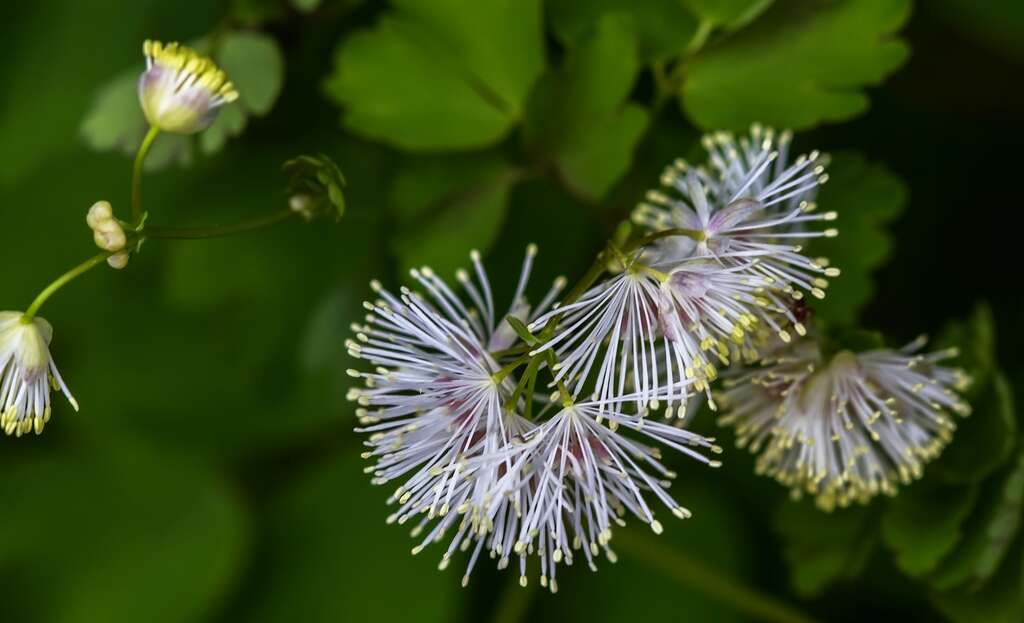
x=849, y=427
x=746, y=207
x=438, y=413
x=586, y=476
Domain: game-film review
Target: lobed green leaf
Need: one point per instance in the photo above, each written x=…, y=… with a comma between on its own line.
x=799, y=65
x=440, y=74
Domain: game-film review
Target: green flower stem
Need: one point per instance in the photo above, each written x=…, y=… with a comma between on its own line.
x=500, y=375
x=564, y=395
x=700, y=38
x=140, y=159
x=531, y=383
x=62, y=281
x=158, y=233
x=711, y=582
x=199, y=233
x=526, y=384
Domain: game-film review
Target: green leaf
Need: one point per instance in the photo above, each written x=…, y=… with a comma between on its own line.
x=730, y=13
x=988, y=533
x=821, y=548
x=230, y=122
x=662, y=28
x=976, y=340
x=115, y=120
x=993, y=421
x=578, y=115
x=942, y=508
x=326, y=537
x=108, y=530
x=985, y=439
x=440, y=74
x=255, y=64
x=1000, y=601
x=797, y=66
x=867, y=197
x=600, y=159
x=446, y=208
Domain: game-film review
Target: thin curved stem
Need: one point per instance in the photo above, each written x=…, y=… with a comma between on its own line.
x=140, y=159
x=711, y=582
x=160, y=233
x=62, y=281
x=218, y=231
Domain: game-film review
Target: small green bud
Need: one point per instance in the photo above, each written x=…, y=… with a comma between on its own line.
x=315, y=187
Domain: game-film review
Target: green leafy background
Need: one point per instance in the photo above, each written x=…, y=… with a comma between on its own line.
x=212, y=474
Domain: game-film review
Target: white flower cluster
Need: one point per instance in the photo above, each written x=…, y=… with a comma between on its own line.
x=444, y=415
x=487, y=459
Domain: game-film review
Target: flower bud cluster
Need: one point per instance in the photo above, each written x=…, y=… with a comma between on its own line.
x=108, y=233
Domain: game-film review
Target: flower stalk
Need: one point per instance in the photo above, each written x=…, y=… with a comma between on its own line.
x=140, y=160
x=218, y=231
x=62, y=281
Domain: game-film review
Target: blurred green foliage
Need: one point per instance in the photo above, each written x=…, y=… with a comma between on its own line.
x=211, y=475
x=440, y=75
x=802, y=64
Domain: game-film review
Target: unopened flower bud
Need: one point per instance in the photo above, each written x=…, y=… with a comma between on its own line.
x=316, y=187
x=181, y=90
x=300, y=203
x=99, y=212
x=109, y=235
x=118, y=261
